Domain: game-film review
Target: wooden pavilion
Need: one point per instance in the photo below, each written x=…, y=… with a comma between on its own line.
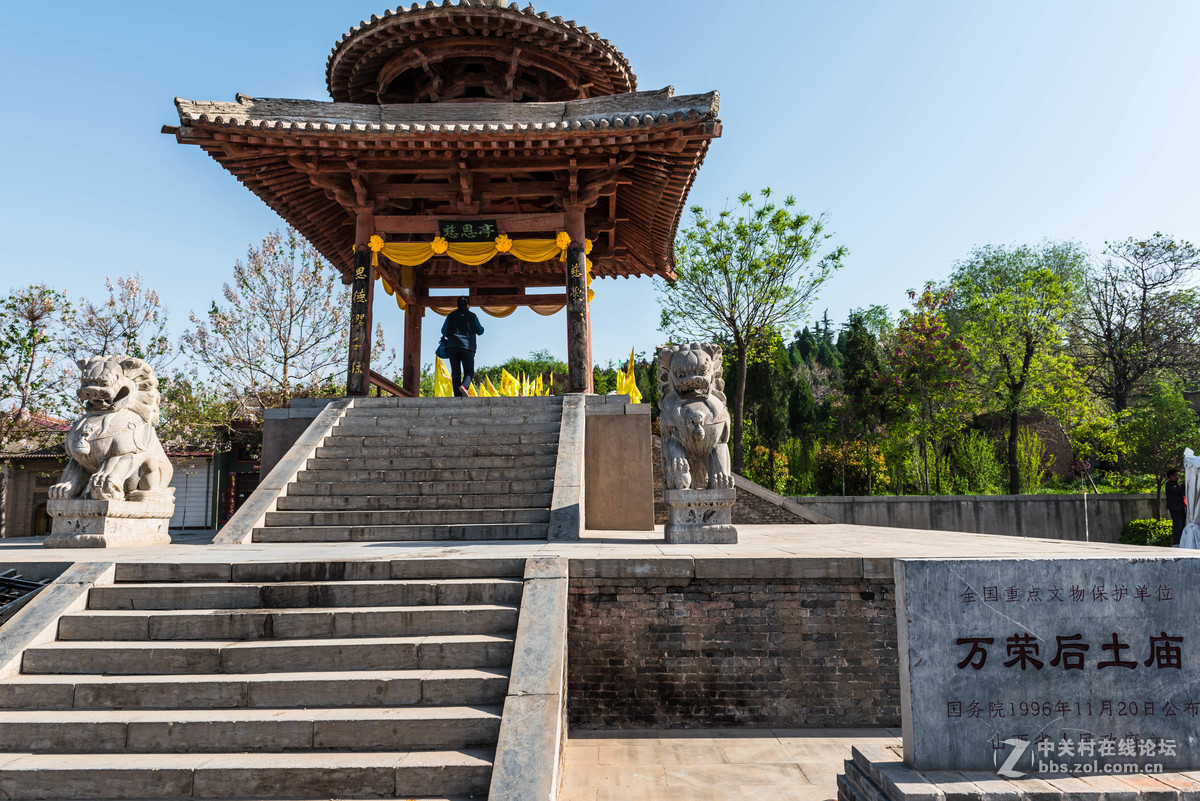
x=472, y=145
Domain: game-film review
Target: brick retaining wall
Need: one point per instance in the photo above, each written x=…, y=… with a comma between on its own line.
x=698, y=652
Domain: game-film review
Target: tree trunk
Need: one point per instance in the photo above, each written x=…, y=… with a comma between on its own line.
x=735, y=410
x=1014, y=471
x=1158, y=482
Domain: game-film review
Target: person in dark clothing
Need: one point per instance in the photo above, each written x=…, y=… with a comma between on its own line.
x=460, y=329
x=1176, y=505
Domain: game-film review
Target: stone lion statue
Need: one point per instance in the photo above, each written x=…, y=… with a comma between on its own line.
x=115, y=452
x=694, y=420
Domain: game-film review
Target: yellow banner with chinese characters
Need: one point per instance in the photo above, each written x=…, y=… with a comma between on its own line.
x=414, y=254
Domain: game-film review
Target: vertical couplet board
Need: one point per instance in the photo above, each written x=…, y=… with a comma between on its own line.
x=1027, y=666
x=357, y=382
x=578, y=357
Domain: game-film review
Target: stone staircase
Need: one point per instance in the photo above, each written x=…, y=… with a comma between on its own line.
x=251, y=680
x=426, y=469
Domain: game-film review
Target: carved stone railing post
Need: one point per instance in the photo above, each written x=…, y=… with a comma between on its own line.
x=116, y=489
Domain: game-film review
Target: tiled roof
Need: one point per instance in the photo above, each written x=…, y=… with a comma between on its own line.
x=627, y=112
x=376, y=39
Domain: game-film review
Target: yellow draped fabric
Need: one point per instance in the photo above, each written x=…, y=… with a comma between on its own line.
x=414, y=254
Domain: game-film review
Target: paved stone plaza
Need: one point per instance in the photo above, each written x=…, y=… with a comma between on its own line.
x=878, y=546
x=712, y=764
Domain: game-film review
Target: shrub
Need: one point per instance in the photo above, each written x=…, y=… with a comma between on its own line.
x=758, y=469
x=1032, y=460
x=830, y=460
x=979, y=471
x=1147, y=532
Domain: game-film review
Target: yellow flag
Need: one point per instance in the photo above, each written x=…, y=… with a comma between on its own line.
x=471, y=391
x=442, y=386
x=631, y=387
x=508, y=385
x=489, y=388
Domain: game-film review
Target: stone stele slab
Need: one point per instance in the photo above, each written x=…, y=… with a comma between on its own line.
x=1050, y=665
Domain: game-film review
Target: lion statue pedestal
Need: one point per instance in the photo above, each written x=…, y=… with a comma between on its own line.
x=116, y=490
x=694, y=423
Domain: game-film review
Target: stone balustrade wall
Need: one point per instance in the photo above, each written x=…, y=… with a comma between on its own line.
x=1059, y=517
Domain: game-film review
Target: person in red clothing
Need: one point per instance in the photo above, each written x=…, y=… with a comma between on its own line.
x=460, y=329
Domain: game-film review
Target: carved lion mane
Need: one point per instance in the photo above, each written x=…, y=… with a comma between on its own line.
x=694, y=421
x=115, y=452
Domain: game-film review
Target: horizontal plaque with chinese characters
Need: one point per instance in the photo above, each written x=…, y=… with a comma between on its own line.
x=1028, y=666
x=468, y=230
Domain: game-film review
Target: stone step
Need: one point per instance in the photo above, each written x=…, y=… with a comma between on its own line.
x=324, y=774
x=325, y=594
x=465, y=687
x=419, y=486
x=131, y=625
x=203, y=656
x=511, y=463
x=445, y=426
x=475, y=532
x=453, y=453
x=431, y=728
x=490, y=468
x=446, y=575
x=467, y=437
x=397, y=502
x=441, y=406
x=400, y=517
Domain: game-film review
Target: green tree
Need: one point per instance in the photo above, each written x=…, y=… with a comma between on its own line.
x=1013, y=305
x=196, y=415
x=1139, y=316
x=744, y=274
x=1157, y=430
x=768, y=384
x=929, y=367
x=32, y=384
x=867, y=403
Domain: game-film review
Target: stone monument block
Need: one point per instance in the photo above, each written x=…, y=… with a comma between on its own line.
x=1031, y=667
x=86, y=523
x=700, y=516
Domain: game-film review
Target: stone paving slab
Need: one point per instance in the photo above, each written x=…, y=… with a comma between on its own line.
x=857, y=548
x=711, y=764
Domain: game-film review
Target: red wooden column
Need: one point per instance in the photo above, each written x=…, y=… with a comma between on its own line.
x=579, y=348
x=413, y=315
x=362, y=293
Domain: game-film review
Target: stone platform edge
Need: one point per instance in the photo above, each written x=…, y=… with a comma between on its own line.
x=877, y=773
x=531, y=747
x=685, y=568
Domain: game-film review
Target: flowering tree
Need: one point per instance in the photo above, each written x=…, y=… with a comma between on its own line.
x=130, y=322
x=928, y=367
x=282, y=327
x=744, y=275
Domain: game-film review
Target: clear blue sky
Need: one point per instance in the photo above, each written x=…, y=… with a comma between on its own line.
x=921, y=128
